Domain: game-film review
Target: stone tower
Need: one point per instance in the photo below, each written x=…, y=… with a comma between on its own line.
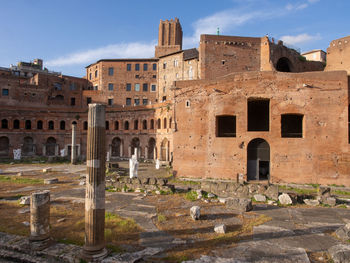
x=169, y=37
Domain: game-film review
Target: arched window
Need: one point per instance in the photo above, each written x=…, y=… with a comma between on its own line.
x=144, y=124
x=28, y=124
x=39, y=125
x=4, y=124
x=74, y=122
x=62, y=125
x=116, y=125
x=51, y=125
x=158, y=124
x=152, y=124
x=170, y=121
x=126, y=125
x=16, y=124
x=164, y=123
x=107, y=125
x=136, y=124
x=85, y=125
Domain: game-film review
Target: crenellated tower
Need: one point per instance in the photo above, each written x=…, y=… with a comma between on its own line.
x=169, y=37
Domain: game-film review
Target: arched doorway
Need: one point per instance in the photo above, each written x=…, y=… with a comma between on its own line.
x=164, y=150
x=284, y=65
x=4, y=146
x=258, y=160
x=151, y=148
x=116, y=144
x=28, y=146
x=135, y=143
x=50, y=146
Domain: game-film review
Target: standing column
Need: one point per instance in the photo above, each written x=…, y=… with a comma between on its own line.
x=73, y=148
x=94, y=248
x=40, y=220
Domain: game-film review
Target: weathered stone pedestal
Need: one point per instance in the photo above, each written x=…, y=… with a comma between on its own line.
x=73, y=149
x=40, y=220
x=94, y=248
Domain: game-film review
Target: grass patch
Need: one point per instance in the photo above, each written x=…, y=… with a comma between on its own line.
x=184, y=182
x=340, y=192
x=161, y=218
x=191, y=196
x=20, y=180
x=337, y=185
x=298, y=190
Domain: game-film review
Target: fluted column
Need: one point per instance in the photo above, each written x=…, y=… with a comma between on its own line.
x=73, y=149
x=94, y=247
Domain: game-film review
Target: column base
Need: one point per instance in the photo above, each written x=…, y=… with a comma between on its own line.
x=94, y=256
x=39, y=245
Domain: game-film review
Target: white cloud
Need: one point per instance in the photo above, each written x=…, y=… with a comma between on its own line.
x=300, y=5
x=300, y=39
x=124, y=50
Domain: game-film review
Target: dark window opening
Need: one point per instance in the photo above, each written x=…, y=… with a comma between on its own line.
x=116, y=125
x=158, y=124
x=128, y=67
x=164, y=123
x=110, y=102
x=144, y=101
x=292, y=126
x=107, y=125
x=145, y=67
x=128, y=101
x=85, y=125
x=51, y=125
x=152, y=124
x=126, y=125
x=62, y=125
x=28, y=124
x=88, y=100
x=258, y=115
x=4, y=124
x=128, y=86
x=39, y=125
x=283, y=65
x=72, y=101
x=16, y=124
x=225, y=126
x=145, y=87
x=154, y=66
x=137, y=67
x=5, y=92
x=144, y=124
x=136, y=124
x=110, y=71
x=137, y=102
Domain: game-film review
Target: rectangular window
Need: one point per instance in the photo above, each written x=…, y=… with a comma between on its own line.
x=258, y=114
x=137, y=76
x=128, y=101
x=57, y=86
x=137, y=67
x=292, y=126
x=90, y=76
x=153, y=87
x=72, y=86
x=164, y=65
x=137, y=101
x=145, y=67
x=110, y=71
x=96, y=87
x=137, y=87
x=154, y=76
x=144, y=101
x=110, y=86
x=72, y=101
x=154, y=66
x=5, y=92
x=225, y=126
x=88, y=100
x=110, y=102
x=128, y=67
x=128, y=86
x=145, y=87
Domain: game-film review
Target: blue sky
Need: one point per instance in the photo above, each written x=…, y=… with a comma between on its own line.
x=70, y=34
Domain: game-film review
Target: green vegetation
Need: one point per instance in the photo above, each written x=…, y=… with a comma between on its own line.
x=20, y=180
x=298, y=190
x=184, y=182
x=340, y=192
x=191, y=196
x=302, y=58
x=336, y=185
x=161, y=218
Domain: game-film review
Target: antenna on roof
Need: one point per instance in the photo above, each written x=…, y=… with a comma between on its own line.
x=218, y=31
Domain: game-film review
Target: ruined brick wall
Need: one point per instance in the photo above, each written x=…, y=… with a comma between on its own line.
x=320, y=156
x=222, y=55
x=338, y=55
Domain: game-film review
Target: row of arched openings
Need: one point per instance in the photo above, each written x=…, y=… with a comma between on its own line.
x=28, y=124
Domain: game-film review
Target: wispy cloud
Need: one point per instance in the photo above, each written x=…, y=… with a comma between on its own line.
x=124, y=50
x=300, y=5
x=300, y=39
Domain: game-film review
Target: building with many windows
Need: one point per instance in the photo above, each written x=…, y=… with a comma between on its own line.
x=236, y=105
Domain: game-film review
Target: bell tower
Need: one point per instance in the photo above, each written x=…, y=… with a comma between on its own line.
x=169, y=37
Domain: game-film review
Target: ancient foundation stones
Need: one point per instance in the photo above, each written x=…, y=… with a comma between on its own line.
x=51, y=181
x=220, y=229
x=272, y=192
x=340, y=253
x=195, y=212
x=260, y=198
x=40, y=220
x=240, y=204
x=24, y=200
x=47, y=170
x=285, y=199
x=331, y=201
x=311, y=202
x=343, y=232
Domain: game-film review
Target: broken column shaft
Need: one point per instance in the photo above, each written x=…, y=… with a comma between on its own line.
x=40, y=220
x=94, y=247
x=73, y=149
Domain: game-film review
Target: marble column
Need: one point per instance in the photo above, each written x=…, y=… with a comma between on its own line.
x=94, y=248
x=73, y=148
x=40, y=220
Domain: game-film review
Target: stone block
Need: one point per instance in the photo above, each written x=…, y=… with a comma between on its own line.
x=240, y=204
x=206, y=186
x=51, y=181
x=285, y=199
x=47, y=170
x=311, y=202
x=340, y=253
x=343, y=232
x=331, y=201
x=272, y=192
x=152, y=181
x=324, y=191
x=24, y=200
x=195, y=212
x=144, y=180
x=220, y=229
x=260, y=198
x=242, y=191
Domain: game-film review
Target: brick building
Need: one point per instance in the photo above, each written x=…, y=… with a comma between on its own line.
x=235, y=105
